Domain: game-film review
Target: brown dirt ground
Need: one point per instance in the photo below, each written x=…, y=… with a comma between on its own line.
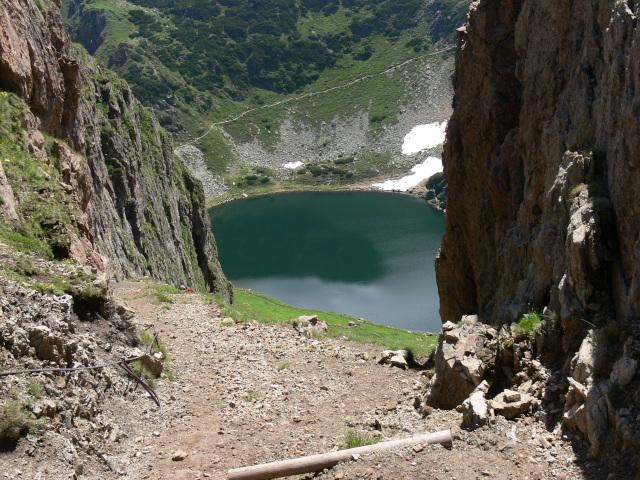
x=247, y=394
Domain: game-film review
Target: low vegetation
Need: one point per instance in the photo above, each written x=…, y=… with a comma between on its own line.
x=529, y=325
x=256, y=306
x=353, y=439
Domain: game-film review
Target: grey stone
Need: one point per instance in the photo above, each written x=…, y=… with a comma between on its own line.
x=510, y=410
x=475, y=409
x=583, y=362
x=623, y=370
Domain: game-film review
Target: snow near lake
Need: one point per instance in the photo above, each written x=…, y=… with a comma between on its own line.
x=422, y=171
x=420, y=137
x=424, y=136
x=293, y=165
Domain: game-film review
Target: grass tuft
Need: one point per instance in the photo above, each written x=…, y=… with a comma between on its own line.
x=353, y=439
x=283, y=366
x=529, y=325
x=15, y=422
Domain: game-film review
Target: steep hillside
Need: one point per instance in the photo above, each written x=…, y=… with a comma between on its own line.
x=75, y=140
x=220, y=59
x=541, y=157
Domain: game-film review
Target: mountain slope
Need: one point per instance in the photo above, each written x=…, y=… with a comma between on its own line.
x=208, y=63
x=129, y=206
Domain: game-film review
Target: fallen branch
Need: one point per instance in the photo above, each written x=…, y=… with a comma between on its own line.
x=125, y=366
x=314, y=463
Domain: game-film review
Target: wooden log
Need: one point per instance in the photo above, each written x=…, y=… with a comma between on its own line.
x=315, y=463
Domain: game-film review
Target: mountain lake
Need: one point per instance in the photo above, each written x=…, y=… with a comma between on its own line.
x=366, y=254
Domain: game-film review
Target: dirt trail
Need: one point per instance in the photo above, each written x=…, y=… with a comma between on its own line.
x=313, y=94
x=246, y=394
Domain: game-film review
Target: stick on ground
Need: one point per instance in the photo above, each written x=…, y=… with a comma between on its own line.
x=314, y=463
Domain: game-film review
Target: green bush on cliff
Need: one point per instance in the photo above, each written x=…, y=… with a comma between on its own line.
x=529, y=325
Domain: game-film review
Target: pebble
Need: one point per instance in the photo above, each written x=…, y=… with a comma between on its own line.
x=179, y=455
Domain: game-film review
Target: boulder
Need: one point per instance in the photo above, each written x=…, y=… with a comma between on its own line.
x=475, y=410
x=510, y=404
x=583, y=362
x=153, y=364
x=623, y=370
x=308, y=324
x=458, y=367
x=396, y=358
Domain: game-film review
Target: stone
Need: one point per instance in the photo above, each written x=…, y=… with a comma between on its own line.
x=448, y=326
x=475, y=410
x=511, y=410
x=458, y=368
x=398, y=361
x=153, y=364
x=398, y=358
x=469, y=319
x=577, y=393
x=511, y=396
x=179, y=455
x=353, y=324
x=583, y=362
x=623, y=370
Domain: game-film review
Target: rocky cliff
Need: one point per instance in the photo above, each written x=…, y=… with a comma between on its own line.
x=139, y=211
x=541, y=157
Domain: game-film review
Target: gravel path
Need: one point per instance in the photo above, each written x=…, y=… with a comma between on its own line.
x=247, y=394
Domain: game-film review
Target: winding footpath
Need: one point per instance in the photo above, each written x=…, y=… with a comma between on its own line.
x=313, y=94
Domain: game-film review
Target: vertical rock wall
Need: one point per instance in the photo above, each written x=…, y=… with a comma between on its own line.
x=541, y=157
x=141, y=210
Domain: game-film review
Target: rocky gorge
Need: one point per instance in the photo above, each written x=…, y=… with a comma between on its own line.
x=536, y=368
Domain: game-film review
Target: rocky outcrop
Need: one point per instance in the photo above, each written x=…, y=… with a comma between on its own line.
x=544, y=101
x=140, y=211
x=474, y=363
x=540, y=159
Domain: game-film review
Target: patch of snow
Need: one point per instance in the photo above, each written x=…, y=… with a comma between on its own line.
x=293, y=165
x=424, y=136
x=422, y=171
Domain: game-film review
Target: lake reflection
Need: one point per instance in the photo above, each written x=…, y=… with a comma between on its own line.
x=365, y=254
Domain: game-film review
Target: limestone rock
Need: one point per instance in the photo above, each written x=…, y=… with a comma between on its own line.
x=308, y=324
x=8, y=204
x=396, y=358
x=623, y=370
x=526, y=224
x=179, y=455
x=104, y=142
x=475, y=410
x=510, y=404
x=153, y=364
x=458, y=368
x=583, y=363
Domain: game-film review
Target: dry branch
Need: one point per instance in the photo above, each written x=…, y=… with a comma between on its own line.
x=314, y=463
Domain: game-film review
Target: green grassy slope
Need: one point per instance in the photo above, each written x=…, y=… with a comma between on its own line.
x=206, y=61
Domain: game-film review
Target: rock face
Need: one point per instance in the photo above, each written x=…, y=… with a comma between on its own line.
x=540, y=155
x=141, y=211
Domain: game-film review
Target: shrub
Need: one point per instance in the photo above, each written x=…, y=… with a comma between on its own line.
x=615, y=394
x=36, y=389
x=344, y=161
x=528, y=325
x=15, y=422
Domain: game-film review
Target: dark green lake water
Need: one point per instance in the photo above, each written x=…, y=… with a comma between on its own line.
x=365, y=254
